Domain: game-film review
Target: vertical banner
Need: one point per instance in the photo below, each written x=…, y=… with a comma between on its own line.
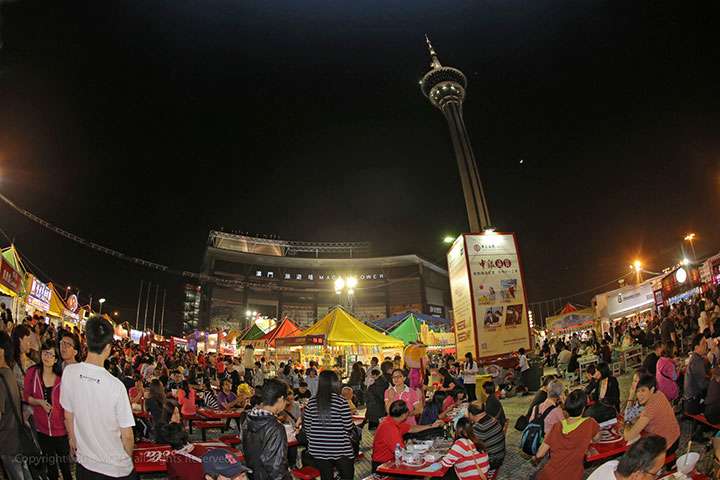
x=498, y=293
x=463, y=318
x=495, y=322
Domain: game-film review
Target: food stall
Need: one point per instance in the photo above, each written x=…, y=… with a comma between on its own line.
x=11, y=280
x=412, y=329
x=341, y=339
x=631, y=302
x=571, y=320
x=37, y=300
x=681, y=283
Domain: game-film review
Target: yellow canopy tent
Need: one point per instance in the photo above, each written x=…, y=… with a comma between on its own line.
x=57, y=305
x=340, y=328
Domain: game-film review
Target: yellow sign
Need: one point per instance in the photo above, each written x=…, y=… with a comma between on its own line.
x=463, y=319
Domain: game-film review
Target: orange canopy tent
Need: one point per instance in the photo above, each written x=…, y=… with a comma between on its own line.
x=286, y=329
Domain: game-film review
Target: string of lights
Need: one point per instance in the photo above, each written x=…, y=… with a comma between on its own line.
x=227, y=282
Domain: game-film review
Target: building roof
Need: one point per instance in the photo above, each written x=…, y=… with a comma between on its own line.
x=319, y=263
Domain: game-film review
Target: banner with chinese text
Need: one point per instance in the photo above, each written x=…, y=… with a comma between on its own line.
x=498, y=294
x=463, y=318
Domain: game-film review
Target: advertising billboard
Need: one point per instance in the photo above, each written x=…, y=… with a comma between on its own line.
x=628, y=300
x=578, y=319
x=463, y=318
x=490, y=282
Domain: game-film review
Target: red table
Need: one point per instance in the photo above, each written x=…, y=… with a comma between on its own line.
x=693, y=475
x=188, y=466
x=390, y=468
x=602, y=451
x=218, y=414
x=150, y=457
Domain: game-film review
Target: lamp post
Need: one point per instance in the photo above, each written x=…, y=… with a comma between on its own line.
x=637, y=267
x=102, y=300
x=345, y=289
x=690, y=237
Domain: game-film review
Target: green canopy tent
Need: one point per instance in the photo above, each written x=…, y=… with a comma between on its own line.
x=408, y=330
x=254, y=333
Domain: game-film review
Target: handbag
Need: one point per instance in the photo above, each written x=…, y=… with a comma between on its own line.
x=521, y=423
x=29, y=446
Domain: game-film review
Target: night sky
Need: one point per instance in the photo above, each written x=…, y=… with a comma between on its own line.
x=141, y=125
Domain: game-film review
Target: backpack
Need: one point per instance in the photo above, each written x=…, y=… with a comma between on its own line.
x=533, y=434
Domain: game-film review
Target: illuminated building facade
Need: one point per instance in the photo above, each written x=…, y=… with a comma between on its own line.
x=275, y=278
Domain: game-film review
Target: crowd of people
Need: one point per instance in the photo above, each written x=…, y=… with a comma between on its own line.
x=87, y=398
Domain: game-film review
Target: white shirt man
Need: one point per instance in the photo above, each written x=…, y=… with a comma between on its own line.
x=98, y=415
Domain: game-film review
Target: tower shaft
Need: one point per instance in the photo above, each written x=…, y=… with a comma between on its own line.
x=477, y=210
x=445, y=87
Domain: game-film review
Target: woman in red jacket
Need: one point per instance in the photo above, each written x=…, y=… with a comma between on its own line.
x=42, y=393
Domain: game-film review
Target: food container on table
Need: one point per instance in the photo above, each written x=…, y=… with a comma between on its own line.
x=686, y=463
x=412, y=459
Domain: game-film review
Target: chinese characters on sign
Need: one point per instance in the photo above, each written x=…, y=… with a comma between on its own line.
x=39, y=296
x=461, y=300
x=315, y=276
x=9, y=277
x=488, y=288
x=498, y=292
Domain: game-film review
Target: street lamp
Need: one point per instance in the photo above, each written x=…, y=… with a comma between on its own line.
x=346, y=286
x=637, y=267
x=339, y=285
x=690, y=237
x=116, y=313
x=448, y=239
x=102, y=300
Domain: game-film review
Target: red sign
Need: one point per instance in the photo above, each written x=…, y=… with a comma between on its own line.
x=9, y=277
x=297, y=341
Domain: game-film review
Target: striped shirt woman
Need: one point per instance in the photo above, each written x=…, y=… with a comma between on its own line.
x=328, y=425
x=469, y=463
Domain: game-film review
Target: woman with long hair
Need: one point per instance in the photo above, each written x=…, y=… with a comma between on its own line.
x=357, y=381
x=329, y=429
x=162, y=412
x=470, y=371
x=22, y=338
x=605, y=387
x=448, y=382
x=467, y=454
x=666, y=373
x=187, y=399
x=42, y=393
x=433, y=409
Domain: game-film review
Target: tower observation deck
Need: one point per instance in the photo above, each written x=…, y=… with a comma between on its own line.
x=445, y=88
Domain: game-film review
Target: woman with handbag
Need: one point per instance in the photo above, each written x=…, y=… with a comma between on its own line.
x=10, y=427
x=42, y=393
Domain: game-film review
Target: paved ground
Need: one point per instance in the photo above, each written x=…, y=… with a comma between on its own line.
x=517, y=465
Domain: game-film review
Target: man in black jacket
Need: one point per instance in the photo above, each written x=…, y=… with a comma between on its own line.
x=376, y=396
x=264, y=440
